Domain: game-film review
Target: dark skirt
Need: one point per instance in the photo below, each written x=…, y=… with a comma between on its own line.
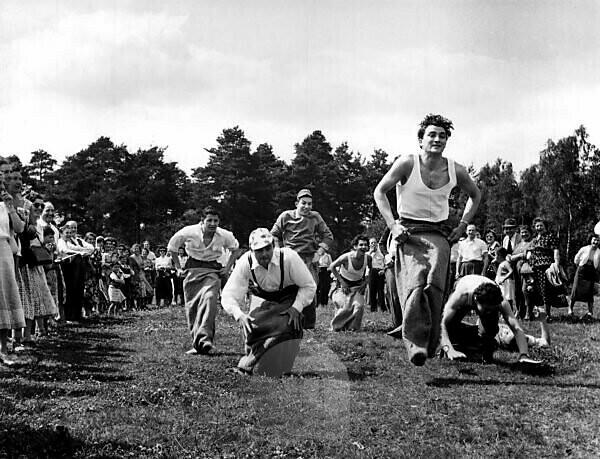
x=583, y=284
x=470, y=267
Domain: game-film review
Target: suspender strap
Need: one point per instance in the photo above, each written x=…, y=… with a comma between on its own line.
x=281, y=270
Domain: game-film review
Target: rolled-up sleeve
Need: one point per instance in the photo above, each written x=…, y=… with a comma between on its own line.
x=301, y=276
x=177, y=240
x=234, y=292
x=231, y=242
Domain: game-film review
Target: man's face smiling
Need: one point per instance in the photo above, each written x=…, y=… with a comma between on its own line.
x=434, y=139
x=471, y=232
x=362, y=246
x=304, y=205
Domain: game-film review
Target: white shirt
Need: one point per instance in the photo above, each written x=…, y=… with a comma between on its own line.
x=191, y=237
x=472, y=250
x=295, y=272
x=74, y=246
x=378, y=261
x=163, y=262
x=585, y=254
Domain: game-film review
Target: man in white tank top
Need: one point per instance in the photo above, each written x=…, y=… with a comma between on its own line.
x=424, y=231
x=349, y=297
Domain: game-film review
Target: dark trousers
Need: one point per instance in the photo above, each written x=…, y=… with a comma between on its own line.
x=73, y=272
x=309, y=313
x=323, y=286
x=178, y=284
x=376, y=290
x=164, y=289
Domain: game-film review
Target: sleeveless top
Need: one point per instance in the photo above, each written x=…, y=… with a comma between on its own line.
x=416, y=201
x=350, y=273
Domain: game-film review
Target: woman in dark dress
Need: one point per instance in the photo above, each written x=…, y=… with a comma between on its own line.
x=543, y=253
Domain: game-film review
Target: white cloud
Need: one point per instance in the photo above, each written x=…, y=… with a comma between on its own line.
x=177, y=76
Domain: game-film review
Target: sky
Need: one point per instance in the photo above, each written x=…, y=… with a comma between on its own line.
x=510, y=74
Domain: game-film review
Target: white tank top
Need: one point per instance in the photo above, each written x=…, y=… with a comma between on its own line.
x=351, y=273
x=419, y=202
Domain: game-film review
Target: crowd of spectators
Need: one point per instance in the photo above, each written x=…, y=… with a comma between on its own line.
x=50, y=273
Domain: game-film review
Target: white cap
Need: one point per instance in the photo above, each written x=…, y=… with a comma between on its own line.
x=259, y=238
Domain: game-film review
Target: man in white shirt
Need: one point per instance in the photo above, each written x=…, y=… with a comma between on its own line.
x=204, y=244
x=281, y=287
x=471, y=252
x=71, y=250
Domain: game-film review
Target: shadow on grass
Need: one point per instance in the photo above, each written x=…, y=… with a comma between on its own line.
x=449, y=382
x=23, y=440
x=78, y=354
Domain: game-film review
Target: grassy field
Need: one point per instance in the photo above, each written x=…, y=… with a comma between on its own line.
x=124, y=388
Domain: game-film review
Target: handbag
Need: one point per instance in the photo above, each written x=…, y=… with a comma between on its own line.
x=38, y=255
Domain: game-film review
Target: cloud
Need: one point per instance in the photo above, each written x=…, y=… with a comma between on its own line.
x=151, y=75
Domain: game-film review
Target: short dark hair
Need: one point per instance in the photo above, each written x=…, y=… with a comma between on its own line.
x=210, y=210
x=435, y=120
x=525, y=227
x=488, y=293
x=33, y=195
x=592, y=236
x=358, y=238
x=501, y=252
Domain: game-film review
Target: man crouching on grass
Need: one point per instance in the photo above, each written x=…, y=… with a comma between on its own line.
x=281, y=286
x=483, y=296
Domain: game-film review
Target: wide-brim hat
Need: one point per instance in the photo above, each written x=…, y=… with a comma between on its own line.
x=510, y=223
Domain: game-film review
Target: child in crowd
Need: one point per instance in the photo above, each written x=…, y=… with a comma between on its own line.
x=504, y=277
x=116, y=284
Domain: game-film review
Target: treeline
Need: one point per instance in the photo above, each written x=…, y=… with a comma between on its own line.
x=139, y=195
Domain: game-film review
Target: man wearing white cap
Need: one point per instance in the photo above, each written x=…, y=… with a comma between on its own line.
x=281, y=287
x=301, y=229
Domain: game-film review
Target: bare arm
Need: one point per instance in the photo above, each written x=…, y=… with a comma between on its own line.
x=458, y=262
x=509, y=272
x=398, y=173
x=466, y=184
x=334, y=268
x=451, y=308
x=515, y=326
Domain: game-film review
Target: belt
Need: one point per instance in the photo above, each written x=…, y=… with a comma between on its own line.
x=193, y=263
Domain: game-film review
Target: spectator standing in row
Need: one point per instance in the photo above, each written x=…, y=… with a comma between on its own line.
x=164, y=267
x=376, y=277
x=544, y=252
x=471, y=254
x=587, y=261
x=322, y=260
x=11, y=309
x=179, y=276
